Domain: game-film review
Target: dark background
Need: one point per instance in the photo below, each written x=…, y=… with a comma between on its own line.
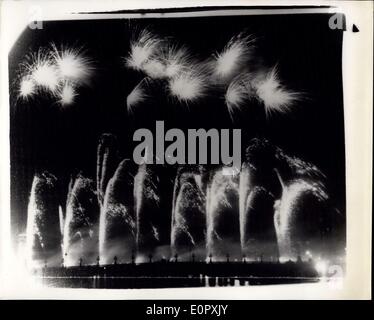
x=64, y=140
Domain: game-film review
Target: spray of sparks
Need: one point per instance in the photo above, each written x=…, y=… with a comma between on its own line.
x=27, y=87
x=177, y=60
x=142, y=49
x=72, y=64
x=137, y=95
x=275, y=97
x=58, y=72
x=238, y=93
x=44, y=73
x=188, y=86
x=236, y=55
x=67, y=94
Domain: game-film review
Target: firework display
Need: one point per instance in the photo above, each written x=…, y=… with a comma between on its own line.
x=56, y=72
x=279, y=209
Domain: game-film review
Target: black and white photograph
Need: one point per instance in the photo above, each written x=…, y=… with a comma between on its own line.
x=179, y=148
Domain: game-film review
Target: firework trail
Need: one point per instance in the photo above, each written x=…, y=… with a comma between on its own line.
x=188, y=214
x=239, y=92
x=275, y=96
x=234, y=58
x=138, y=95
x=147, y=206
x=222, y=209
x=107, y=161
x=117, y=234
x=43, y=234
x=56, y=72
x=81, y=223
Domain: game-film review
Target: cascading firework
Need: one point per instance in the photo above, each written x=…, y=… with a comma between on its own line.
x=257, y=226
x=299, y=216
x=222, y=209
x=147, y=206
x=188, y=230
x=81, y=223
x=43, y=240
x=117, y=218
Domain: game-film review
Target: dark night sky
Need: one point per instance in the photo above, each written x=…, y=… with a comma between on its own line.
x=308, y=53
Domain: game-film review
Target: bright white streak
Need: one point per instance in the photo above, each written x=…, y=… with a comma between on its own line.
x=136, y=96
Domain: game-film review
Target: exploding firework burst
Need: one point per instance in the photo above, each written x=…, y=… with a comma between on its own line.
x=275, y=97
x=189, y=86
x=234, y=57
x=177, y=60
x=72, y=64
x=137, y=95
x=41, y=70
x=142, y=49
x=27, y=87
x=57, y=72
x=155, y=69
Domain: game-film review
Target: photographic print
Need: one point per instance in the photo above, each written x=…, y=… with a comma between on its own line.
x=190, y=147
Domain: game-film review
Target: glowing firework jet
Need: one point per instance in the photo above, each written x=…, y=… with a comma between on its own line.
x=81, y=223
x=188, y=215
x=153, y=187
x=222, y=209
x=117, y=218
x=43, y=239
x=149, y=216
x=259, y=237
x=107, y=160
x=238, y=93
x=274, y=96
x=298, y=199
x=137, y=95
x=234, y=58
